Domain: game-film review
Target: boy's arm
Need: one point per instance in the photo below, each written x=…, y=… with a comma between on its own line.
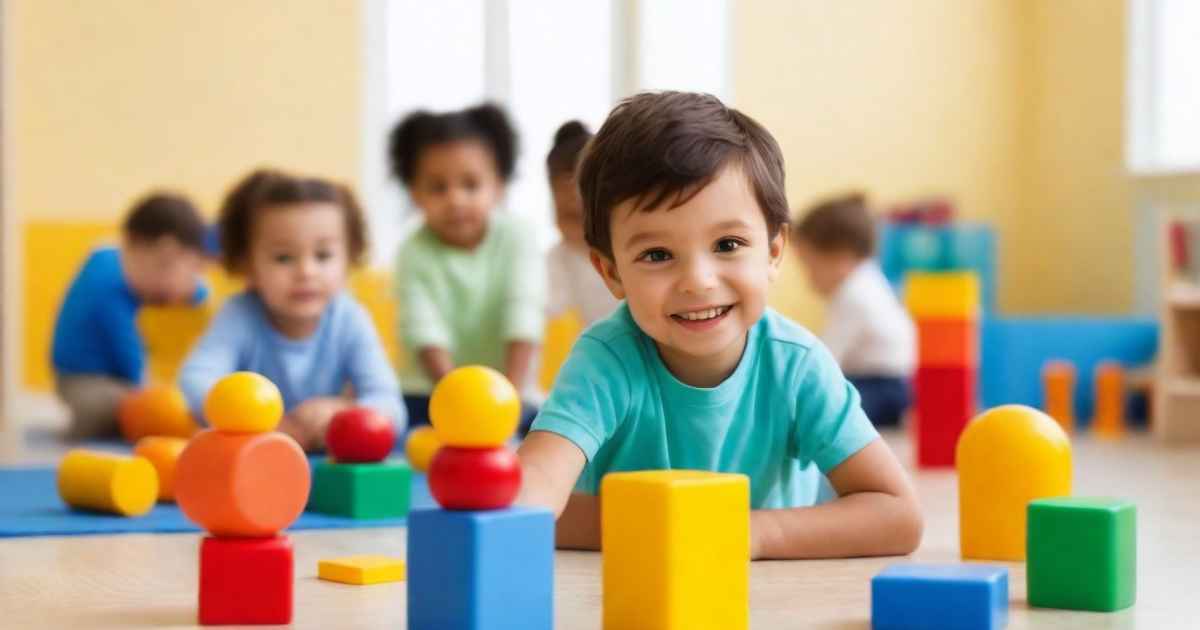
x=550, y=465
x=876, y=514
x=128, y=350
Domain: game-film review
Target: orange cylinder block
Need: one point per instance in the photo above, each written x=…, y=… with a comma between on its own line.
x=155, y=410
x=1109, y=420
x=242, y=484
x=1058, y=389
x=163, y=453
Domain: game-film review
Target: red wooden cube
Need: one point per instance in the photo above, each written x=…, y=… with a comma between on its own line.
x=945, y=402
x=246, y=580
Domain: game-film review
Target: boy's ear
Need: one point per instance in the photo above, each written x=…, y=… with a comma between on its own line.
x=775, y=251
x=608, y=272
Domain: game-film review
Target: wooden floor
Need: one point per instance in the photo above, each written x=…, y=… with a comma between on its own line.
x=143, y=581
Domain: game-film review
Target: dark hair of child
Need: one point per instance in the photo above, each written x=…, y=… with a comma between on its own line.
x=569, y=141
x=841, y=223
x=420, y=130
x=267, y=188
x=667, y=146
x=162, y=214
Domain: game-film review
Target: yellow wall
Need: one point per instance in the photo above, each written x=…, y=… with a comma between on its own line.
x=897, y=98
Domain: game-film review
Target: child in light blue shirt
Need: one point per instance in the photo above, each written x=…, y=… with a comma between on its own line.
x=294, y=239
x=686, y=217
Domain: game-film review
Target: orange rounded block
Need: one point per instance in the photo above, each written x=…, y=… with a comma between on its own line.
x=242, y=484
x=107, y=482
x=1058, y=392
x=244, y=402
x=474, y=407
x=1110, y=400
x=163, y=453
x=155, y=410
x=1007, y=457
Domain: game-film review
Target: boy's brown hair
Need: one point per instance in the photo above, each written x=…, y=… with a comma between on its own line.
x=667, y=146
x=839, y=224
x=266, y=188
x=162, y=214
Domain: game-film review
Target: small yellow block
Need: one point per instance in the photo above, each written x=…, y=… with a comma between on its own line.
x=676, y=547
x=361, y=570
x=942, y=295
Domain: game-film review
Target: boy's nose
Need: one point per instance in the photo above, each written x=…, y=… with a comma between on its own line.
x=698, y=277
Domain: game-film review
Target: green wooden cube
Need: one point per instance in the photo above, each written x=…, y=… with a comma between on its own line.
x=1081, y=553
x=377, y=490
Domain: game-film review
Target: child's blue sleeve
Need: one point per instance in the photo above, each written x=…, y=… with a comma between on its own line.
x=370, y=372
x=119, y=325
x=830, y=424
x=215, y=355
x=590, y=397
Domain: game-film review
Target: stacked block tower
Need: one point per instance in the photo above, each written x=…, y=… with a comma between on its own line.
x=243, y=483
x=477, y=563
x=946, y=309
x=676, y=547
x=357, y=481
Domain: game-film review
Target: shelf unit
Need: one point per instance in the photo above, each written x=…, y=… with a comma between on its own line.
x=1177, y=390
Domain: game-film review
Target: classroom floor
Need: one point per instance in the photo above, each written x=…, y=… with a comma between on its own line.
x=144, y=581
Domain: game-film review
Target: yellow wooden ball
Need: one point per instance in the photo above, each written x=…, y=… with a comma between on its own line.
x=474, y=407
x=422, y=445
x=244, y=402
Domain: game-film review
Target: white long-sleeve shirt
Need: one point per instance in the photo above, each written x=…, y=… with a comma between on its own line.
x=867, y=330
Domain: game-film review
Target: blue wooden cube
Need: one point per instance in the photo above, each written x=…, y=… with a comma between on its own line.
x=481, y=570
x=940, y=597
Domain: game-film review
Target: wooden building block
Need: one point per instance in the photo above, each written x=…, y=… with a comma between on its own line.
x=1082, y=554
x=105, y=482
x=676, y=547
x=246, y=581
x=361, y=570
x=1007, y=457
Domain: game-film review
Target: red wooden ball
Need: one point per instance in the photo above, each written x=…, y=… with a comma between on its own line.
x=359, y=434
x=474, y=478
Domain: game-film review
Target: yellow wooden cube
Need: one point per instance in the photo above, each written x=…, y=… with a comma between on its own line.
x=942, y=295
x=361, y=570
x=676, y=547
x=1007, y=457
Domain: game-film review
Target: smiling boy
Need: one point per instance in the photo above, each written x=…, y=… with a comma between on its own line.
x=686, y=217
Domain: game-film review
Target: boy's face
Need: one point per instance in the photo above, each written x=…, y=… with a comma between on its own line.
x=162, y=271
x=825, y=270
x=297, y=260
x=696, y=276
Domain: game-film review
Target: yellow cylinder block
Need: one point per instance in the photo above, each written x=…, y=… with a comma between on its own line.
x=1007, y=457
x=107, y=483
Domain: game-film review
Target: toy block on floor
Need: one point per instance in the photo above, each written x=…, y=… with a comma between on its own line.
x=246, y=581
x=947, y=342
x=942, y=295
x=939, y=597
x=361, y=570
x=104, y=482
x=1082, y=554
x=944, y=402
x=364, y=491
x=1007, y=457
x=676, y=550
x=1058, y=393
x=486, y=570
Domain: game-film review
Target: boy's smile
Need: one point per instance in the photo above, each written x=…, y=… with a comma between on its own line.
x=695, y=276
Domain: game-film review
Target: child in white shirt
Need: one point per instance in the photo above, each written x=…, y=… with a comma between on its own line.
x=574, y=283
x=868, y=332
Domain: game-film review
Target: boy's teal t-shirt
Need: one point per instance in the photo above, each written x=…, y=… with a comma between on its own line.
x=785, y=416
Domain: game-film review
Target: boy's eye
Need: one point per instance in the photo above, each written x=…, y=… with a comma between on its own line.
x=655, y=255
x=470, y=184
x=727, y=245
x=324, y=255
x=282, y=258
x=437, y=187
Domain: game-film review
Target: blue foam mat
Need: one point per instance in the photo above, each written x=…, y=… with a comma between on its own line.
x=30, y=506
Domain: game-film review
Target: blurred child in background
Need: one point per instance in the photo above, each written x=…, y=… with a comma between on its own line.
x=868, y=331
x=470, y=282
x=574, y=283
x=294, y=239
x=98, y=354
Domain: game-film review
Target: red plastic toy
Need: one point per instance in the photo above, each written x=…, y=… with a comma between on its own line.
x=945, y=402
x=359, y=434
x=474, y=478
x=246, y=581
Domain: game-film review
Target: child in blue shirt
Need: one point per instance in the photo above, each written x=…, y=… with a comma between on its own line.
x=686, y=216
x=294, y=240
x=97, y=351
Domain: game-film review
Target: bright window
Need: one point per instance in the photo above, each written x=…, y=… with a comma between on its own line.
x=1163, y=133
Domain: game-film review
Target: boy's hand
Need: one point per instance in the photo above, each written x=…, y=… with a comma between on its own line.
x=308, y=420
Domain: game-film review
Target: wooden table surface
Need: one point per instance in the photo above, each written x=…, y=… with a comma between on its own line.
x=144, y=581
